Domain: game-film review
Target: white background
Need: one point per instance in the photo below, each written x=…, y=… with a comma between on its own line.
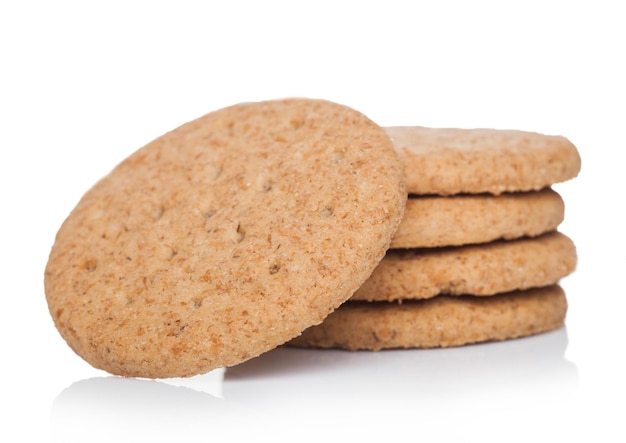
x=83, y=85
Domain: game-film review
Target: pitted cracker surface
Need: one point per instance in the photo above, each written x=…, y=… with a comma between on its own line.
x=483, y=269
x=447, y=161
x=224, y=238
x=442, y=321
x=433, y=221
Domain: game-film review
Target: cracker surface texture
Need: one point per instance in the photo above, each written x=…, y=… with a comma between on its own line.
x=225, y=238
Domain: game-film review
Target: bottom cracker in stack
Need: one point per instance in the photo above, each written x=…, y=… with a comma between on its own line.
x=477, y=256
x=438, y=322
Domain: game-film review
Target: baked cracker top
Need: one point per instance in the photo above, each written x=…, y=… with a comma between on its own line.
x=225, y=237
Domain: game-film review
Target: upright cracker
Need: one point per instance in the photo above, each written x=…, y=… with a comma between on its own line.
x=483, y=269
x=434, y=221
x=442, y=321
x=447, y=161
x=224, y=238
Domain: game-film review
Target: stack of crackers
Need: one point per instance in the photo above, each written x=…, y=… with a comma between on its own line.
x=477, y=257
x=302, y=221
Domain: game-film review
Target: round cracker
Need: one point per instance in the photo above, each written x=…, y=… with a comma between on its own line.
x=442, y=321
x=482, y=270
x=224, y=238
x=447, y=161
x=433, y=221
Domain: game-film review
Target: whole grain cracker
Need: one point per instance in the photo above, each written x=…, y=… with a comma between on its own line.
x=224, y=238
x=432, y=221
x=445, y=161
x=442, y=321
x=482, y=270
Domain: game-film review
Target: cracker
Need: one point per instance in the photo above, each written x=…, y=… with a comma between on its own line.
x=481, y=270
x=224, y=238
x=432, y=221
x=442, y=321
x=445, y=161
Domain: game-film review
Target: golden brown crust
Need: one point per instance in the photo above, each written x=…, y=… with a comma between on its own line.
x=432, y=221
x=445, y=161
x=438, y=322
x=484, y=269
x=225, y=238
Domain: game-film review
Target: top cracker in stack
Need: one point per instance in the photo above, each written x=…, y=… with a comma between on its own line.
x=477, y=256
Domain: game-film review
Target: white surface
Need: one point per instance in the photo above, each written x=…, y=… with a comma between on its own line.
x=81, y=87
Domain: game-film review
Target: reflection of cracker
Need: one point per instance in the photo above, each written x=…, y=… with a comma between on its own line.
x=438, y=322
x=484, y=269
x=446, y=161
x=457, y=220
x=225, y=238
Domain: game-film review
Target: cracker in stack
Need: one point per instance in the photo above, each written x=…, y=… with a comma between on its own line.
x=477, y=257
